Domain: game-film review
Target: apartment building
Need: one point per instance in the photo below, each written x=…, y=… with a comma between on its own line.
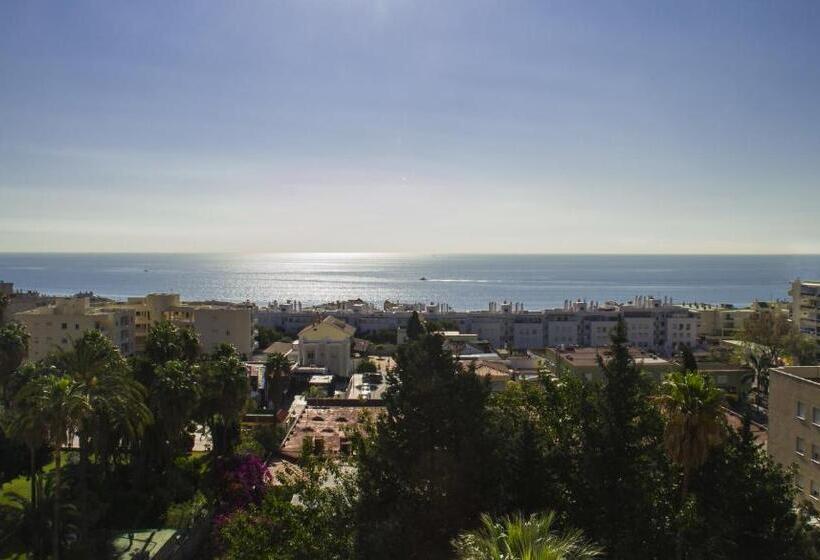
x=19, y=301
x=652, y=324
x=57, y=325
x=794, y=425
x=806, y=307
x=214, y=323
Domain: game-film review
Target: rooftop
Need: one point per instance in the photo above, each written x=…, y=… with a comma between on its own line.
x=333, y=425
x=588, y=356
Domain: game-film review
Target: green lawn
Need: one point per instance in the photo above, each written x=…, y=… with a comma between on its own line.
x=21, y=484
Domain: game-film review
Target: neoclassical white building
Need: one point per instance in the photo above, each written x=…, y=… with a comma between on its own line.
x=327, y=344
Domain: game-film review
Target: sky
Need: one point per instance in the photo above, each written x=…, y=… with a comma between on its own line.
x=410, y=126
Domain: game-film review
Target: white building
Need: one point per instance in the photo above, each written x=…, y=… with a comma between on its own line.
x=806, y=307
x=652, y=324
x=327, y=344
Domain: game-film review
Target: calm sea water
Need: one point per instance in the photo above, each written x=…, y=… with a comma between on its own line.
x=463, y=281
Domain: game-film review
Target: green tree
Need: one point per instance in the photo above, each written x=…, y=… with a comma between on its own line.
x=173, y=398
x=166, y=341
x=524, y=538
x=366, y=366
x=620, y=493
x=688, y=361
x=117, y=414
x=441, y=325
x=803, y=349
x=537, y=420
x=309, y=516
x=276, y=367
x=415, y=328
x=760, y=360
x=14, y=341
x=770, y=329
x=51, y=408
x=745, y=506
x=225, y=390
x=695, y=424
x=420, y=469
x=266, y=336
x=4, y=303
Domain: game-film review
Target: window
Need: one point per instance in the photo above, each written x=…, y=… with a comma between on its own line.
x=815, y=453
x=64, y=326
x=800, y=446
x=76, y=326
x=815, y=491
x=801, y=410
x=815, y=415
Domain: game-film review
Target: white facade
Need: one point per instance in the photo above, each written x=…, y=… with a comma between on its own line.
x=806, y=307
x=651, y=325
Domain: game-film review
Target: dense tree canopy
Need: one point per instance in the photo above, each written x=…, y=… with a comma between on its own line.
x=420, y=472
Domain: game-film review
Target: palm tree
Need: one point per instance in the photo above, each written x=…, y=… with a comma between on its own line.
x=117, y=401
x=4, y=303
x=13, y=347
x=167, y=341
x=225, y=391
x=31, y=431
x=695, y=423
x=520, y=538
x=276, y=366
x=52, y=406
x=761, y=361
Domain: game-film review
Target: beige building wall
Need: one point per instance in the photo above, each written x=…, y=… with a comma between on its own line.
x=56, y=326
x=213, y=323
x=231, y=325
x=794, y=425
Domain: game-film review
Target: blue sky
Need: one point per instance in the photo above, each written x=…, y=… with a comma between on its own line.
x=594, y=127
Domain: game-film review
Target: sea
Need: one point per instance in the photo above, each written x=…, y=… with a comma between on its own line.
x=465, y=282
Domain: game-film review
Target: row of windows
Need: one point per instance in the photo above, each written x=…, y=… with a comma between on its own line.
x=814, y=489
x=801, y=413
x=800, y=449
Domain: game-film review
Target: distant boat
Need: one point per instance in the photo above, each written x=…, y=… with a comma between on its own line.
x=145, y=270
x=422, y=278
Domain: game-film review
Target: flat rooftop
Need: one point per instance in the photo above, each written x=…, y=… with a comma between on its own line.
x=588, y=356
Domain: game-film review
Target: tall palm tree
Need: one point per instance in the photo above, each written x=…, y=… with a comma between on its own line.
x=761, y=361
x=30, y=430
x=54, y=406
x=523, y=538
x=118, y=413
x=225, y=391
x=13, y=347
x=695, y=424
x=4, y=303
x=276, y=366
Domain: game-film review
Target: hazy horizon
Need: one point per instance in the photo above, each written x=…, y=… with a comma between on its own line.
x=410, y=127
x=407, y=253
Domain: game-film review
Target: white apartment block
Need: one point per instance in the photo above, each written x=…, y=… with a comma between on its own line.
x=806, y=307
x=56, y=326
x=652, y=325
